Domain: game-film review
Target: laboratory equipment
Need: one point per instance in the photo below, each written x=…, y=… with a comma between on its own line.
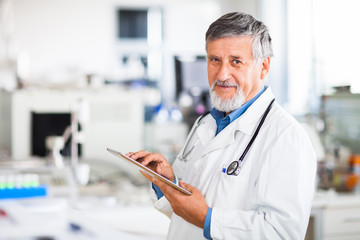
x=14, y=186
x=55, y=144
x=29, y=116
x=35, y=178
x=341, y=114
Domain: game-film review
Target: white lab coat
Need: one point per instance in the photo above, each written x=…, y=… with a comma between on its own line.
x=271, y=196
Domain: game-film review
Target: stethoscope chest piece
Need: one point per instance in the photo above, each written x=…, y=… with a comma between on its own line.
x=233, y=168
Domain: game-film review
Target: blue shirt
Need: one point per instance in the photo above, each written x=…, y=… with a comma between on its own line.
x=223, y=121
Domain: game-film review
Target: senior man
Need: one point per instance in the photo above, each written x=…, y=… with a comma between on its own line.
x=249, y=165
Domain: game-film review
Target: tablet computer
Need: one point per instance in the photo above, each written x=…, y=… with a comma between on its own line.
x=148, y=171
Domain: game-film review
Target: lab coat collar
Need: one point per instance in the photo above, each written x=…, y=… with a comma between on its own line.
x=246, y=124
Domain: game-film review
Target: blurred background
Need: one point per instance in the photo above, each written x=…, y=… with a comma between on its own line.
x=78, y=76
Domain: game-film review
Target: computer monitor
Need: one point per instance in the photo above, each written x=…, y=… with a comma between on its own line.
x=192, y=86
x=191, y=72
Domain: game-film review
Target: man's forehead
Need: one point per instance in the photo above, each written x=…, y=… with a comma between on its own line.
x=233, y=46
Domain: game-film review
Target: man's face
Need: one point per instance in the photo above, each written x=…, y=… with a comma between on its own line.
x=230, y=61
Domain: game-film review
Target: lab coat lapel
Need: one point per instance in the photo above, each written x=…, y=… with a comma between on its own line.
x=207, y=130
x=224, y=138
x=246, y=124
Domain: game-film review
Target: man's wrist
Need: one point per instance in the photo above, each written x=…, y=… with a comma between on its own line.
x=158, y=191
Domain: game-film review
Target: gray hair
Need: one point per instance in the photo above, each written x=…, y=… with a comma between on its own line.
x=237, y=24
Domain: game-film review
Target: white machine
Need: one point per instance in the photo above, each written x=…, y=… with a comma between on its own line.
x=115, y=118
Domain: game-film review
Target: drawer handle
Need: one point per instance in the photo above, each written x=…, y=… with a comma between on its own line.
x=352, y=219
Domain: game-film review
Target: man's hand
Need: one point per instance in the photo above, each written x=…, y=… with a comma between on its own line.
x=191, y=208
x=154, y=161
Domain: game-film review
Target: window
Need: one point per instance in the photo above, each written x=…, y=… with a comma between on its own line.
x=336, y=43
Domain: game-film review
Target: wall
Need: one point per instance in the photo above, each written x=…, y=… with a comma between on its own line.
x=247, y=6
x=273, y=14
x=300, y=56
x=61, y=40
x=63, y=37
x=66, y=39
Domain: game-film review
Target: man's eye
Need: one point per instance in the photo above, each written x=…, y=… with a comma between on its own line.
x=236, y=61
x=214, y=60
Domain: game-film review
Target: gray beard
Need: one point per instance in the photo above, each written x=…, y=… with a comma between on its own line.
x=226, y=105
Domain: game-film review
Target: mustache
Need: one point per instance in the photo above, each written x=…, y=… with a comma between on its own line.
x=225, y=83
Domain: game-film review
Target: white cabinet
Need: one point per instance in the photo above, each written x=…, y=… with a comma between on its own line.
x=336, y=217
x=344, y=221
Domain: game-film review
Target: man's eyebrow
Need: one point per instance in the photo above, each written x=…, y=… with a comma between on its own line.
x=242, y=59
x=237, y=57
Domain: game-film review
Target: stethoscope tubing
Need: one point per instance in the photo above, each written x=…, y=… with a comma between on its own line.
x=231, y=171
x=197, y=124
x=257, y=130
x=235, y=164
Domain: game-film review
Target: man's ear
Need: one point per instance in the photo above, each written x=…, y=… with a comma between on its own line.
x=265, y=66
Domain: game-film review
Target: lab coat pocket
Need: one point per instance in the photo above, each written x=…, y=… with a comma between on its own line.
x=234, y=190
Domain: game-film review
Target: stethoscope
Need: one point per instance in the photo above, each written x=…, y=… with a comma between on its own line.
x=233, y=168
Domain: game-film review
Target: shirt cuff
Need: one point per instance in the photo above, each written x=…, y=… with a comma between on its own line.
x=158, y=191
x=207, y=224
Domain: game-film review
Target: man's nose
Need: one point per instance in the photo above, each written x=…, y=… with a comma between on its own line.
x=224, y=72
